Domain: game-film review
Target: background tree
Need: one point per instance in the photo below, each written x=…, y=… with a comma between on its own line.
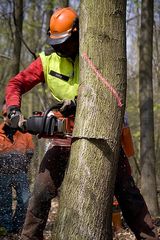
x=133, y=29
x=17, y=35
x=147, y=147
x=62, y=3
x=86, y=197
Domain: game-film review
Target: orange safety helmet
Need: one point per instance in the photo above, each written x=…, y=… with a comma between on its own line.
x=62, y=25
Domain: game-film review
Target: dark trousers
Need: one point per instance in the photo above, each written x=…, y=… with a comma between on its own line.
x=49, y=179
x=132, y=204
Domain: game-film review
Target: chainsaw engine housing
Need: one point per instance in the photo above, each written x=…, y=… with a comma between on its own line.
x=37, y=124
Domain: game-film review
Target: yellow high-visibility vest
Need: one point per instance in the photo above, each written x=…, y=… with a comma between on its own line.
x=61, y=75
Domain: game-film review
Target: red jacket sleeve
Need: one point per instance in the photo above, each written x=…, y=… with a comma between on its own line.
x=23, y=82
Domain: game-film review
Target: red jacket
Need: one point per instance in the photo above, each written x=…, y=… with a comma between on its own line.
x=23, y=82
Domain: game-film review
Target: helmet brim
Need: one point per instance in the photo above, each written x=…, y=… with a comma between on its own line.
x=56, y=41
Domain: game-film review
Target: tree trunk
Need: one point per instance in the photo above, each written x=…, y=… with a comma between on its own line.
x=147, y=144
x=18, y=20
x=87, y=191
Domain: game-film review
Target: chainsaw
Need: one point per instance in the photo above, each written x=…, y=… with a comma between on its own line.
x=46, y=124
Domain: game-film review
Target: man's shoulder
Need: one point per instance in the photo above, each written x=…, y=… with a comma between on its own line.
x=23, y=134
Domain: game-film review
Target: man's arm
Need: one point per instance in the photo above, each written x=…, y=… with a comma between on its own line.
x=23, y=82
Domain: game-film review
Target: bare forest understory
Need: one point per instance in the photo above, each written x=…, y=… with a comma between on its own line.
x=125, y=234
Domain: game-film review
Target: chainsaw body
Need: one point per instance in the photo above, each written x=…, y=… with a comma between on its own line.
x=35, y=125
x=45, y=124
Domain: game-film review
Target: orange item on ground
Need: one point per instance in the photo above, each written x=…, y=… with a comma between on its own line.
x=116, y=216
x=116, y=220
x=127, y=142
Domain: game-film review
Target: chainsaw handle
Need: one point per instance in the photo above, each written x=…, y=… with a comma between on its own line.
x=54, y=106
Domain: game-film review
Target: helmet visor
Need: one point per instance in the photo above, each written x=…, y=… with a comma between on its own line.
x=58, y=38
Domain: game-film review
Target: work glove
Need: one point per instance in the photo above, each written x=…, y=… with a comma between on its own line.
x=68, y=108
x=16, y=118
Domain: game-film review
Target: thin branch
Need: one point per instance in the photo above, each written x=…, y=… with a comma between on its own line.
x=4, y=56
x=20, y=35
x=137, y=166
x=132, y=18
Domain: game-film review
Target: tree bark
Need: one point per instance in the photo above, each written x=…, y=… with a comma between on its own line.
x=147, y=143
x=86, y=197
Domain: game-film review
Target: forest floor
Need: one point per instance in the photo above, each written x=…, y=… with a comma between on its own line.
x=125, y=234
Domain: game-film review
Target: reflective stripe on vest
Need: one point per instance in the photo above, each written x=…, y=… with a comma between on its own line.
x=61, y=75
